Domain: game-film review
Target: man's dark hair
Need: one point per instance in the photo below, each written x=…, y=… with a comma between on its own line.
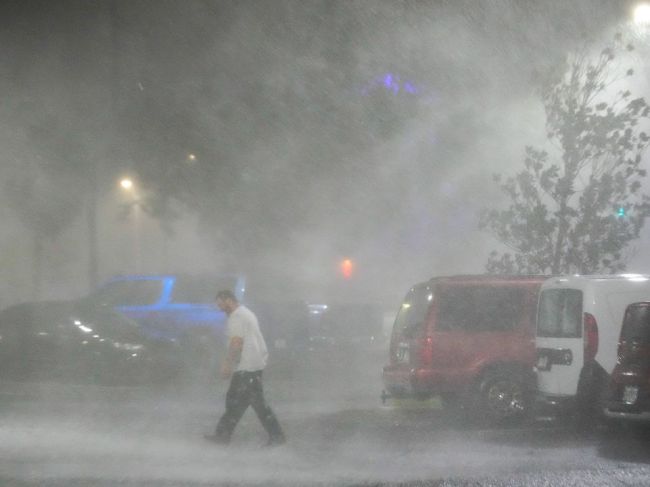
x=226, y=294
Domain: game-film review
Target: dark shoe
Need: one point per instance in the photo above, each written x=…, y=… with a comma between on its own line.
x=216, y=439
x=277, y=441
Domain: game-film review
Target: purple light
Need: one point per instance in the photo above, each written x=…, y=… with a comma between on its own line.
x=409, y=88
x=392, y=83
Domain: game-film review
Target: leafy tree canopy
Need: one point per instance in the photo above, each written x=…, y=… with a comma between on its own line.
x=578, y=203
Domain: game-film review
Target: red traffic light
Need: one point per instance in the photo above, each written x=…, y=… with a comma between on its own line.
x=347, y=268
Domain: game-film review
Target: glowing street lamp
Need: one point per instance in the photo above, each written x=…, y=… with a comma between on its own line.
x=126, y=184
x=642, y=14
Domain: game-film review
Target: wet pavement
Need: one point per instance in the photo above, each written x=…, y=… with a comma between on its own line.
x=339, y=434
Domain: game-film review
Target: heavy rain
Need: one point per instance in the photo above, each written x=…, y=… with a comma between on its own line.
x=391, y=187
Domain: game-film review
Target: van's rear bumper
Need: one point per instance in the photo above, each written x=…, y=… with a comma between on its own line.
x=639, y=411
x=398, y=383
x=551, y=405
x=641, y=416
x=402, y=381
x=615, y=405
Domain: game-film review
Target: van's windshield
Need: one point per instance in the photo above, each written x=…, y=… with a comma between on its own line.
x=413, y=311
x=636, y=325
x=560, y=313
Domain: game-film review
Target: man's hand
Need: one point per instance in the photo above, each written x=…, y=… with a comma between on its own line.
x=226, y=370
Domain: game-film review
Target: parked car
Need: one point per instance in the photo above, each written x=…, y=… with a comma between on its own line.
x=346, y=325
x=284, y=324
x=173, y=307
x=79, y=342
x=628, y=395
x=578, y=326
x=179, y=309
x=346, y=338
x=470, y=340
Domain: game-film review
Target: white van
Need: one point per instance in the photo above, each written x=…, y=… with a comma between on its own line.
x=578, y=324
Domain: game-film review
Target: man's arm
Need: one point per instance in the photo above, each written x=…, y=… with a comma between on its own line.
x=233, y=357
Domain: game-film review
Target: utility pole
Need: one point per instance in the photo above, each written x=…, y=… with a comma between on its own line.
x=95, y=173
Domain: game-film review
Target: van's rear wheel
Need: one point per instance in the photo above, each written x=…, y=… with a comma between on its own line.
x=504, y=397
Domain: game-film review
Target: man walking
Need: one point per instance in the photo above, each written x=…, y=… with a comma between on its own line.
x=245, y=360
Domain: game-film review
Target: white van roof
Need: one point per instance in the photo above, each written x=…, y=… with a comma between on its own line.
x=579, y=281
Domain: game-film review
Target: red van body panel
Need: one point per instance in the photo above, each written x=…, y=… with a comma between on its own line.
x=448, y=354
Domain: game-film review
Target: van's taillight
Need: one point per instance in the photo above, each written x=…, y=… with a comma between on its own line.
x=424, y=351
x=590, y=337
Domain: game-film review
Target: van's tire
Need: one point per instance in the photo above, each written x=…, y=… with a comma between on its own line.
x=451, y=402
x=504, y=397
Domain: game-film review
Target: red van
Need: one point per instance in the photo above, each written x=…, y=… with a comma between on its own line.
x=469, y=340
x=629, y=386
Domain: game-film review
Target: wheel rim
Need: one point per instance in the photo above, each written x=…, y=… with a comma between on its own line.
x=505, y=399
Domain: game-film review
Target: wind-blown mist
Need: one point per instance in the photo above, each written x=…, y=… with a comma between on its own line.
x=322, y=130
x=273, y=139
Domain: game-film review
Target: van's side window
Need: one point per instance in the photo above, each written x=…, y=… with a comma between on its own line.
x=412, y=314
x=560, y=313
x=480, y=308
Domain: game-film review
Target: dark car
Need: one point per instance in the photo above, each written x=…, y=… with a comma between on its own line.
x=79, y=342
x=470, y=341
x=346, y=326
x=628, y=397
x=173, y=307
x=283, y=324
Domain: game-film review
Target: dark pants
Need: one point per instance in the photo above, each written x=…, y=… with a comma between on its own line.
x=246, y=390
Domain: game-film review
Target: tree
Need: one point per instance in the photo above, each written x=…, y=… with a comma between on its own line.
x=577, y=206
x=40, y=195
x=43, y=174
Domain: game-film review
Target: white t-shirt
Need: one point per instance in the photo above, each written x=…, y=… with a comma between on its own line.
x=243, y=323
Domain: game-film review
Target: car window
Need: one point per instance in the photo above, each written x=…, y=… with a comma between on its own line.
x=198, y=290
x=636, y=325
x=412, y=313
x=480, y=308
x=560, y=313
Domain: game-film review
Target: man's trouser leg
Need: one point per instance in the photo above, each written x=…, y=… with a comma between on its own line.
x=263, y=411
x=237, y=400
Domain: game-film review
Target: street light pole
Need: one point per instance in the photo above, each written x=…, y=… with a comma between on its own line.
x=129, y=187
x=91, y=221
